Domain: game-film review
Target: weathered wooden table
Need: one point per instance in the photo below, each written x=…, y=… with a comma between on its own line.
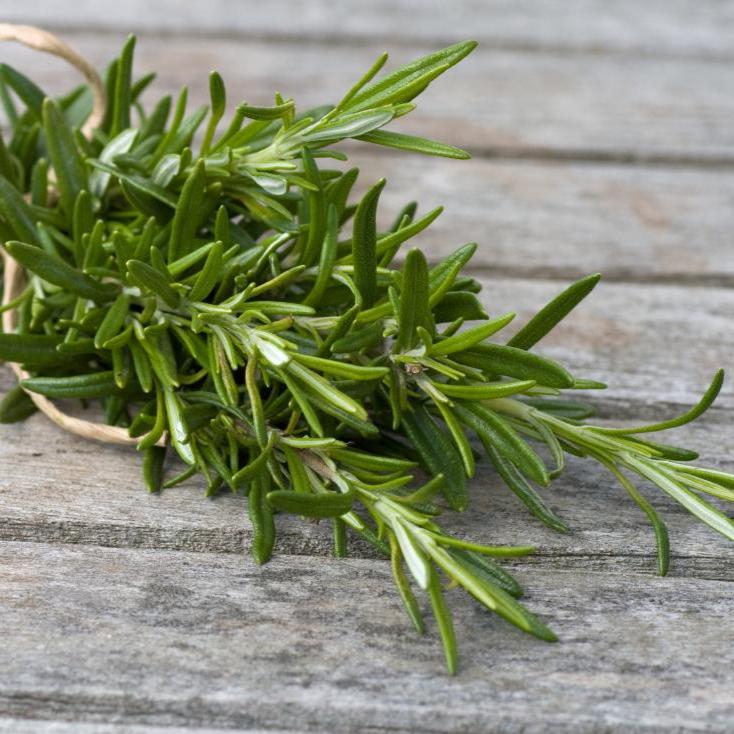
x=603, y=139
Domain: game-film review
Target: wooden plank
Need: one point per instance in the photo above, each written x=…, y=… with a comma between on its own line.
x=155, y=638
x=658, y=358
x=652, y=344
x=660, y=26
x=59, y=489
x=39, y=726
x=657, y=346
x=497, y=102
x=565, y=220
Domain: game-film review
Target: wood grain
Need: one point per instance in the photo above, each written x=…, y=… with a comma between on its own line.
x=496, y=102
x=156, y=638
x=39, y=726
x=565, y=220
x=58, y=489
x=656, y=27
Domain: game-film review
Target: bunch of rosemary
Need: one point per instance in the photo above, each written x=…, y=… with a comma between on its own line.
x=224, y=299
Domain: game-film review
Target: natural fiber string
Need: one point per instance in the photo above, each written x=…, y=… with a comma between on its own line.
x=13, y=276
x=40, y=40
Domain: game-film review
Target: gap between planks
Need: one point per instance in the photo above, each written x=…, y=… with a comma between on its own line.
x=390, y=37
x=671, y=27
x=674, y=111
x=630, y=338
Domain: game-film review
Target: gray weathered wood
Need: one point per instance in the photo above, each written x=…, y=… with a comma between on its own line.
x=174, y=639
x=660, y=26
x=38, y=726
x=564, y=220
x=60, y=489
x=497, y=102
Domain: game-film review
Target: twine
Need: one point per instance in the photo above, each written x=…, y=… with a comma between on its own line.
x=13, y=275
x=40, y=40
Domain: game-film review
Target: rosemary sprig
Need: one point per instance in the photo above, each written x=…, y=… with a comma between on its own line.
x=227, y=302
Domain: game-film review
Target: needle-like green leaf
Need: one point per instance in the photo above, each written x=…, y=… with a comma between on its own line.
x=497, y=359
x=364, y=243
x=186, y=218
x=437, y=453
x=112, y=322
x=28, y=92
x=554, y=312
x=95, y=385
x=470, y=338
x=664, y=479
x=494, y=431
x=485, y=391
x=659, y=528
x=16, y=405
x=332, y=504
x=55, y=270
x=413, y=143
x=445, y=623
x=152, y=280
x=67, y=162
x=403, y=85
x=697, y=410
x=209, y=275
x=414, y=308
x=16, y=212
x=122, y=97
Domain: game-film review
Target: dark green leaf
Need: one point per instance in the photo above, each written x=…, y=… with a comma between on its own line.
x=497, y=359
x=28, y=92
x=186, y=218
x=332, y=504
x=327, y=258
x=112, y=322
x=661, y=531
x=261, y=517
x=413, y=143
x=55, y=270
x=16, y=213
x=550, y=315
x=122, y=97
x=94, y=385
x=152, y=280
x=209, y=275
x=414, y=309
x=403, y=85
x=16, y=405
x=153, y=461
x=471, y=337
x=36, y=349
x=437, y=453
x=71, y=173
x=445, y=623
x=690, y=415
x=459, y=305
x=265, y=113
x=364, y=242
x=495, y=432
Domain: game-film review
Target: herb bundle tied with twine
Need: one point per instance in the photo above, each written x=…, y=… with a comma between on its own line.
x=214, y=287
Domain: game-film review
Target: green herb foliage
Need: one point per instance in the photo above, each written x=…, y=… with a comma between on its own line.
x=228, y=302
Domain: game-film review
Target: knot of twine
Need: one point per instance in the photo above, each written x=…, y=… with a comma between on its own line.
x=13, y=275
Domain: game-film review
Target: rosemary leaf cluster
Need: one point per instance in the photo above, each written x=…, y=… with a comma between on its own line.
x=215, y=286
